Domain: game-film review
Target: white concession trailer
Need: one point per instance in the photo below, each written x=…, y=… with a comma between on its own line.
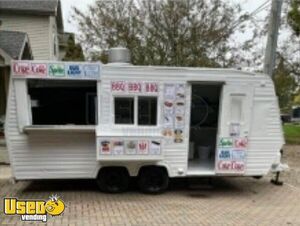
x=70, y=120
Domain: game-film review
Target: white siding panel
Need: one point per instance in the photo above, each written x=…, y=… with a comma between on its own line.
x=48, y=155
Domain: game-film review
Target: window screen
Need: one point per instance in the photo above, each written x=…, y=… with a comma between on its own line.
x=124, y=110
x=147, y=111
x=62, y=102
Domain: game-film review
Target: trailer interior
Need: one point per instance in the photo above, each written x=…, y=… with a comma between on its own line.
x=203, y=128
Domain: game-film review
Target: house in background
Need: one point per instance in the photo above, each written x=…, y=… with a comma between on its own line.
x=28, y=30
x=63, y=43
x=13, y=46
x=40, y=19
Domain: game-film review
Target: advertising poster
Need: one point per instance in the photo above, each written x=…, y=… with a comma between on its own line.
x=91, y=71
x=238, y=155
x=39, y=69
x=226, y=142
x=234, y=129
x=155, y=147
x=168, y=120
x=105, y=147
x=57, y=70
x=74, y=70
x=30, y=69
x=241, y=142
x=131, y=147
x=179, y=117
x=174, y=113
x=118, y=147
x=143, y=147
x=178, y=135
x=231, y=155
x=224, y=154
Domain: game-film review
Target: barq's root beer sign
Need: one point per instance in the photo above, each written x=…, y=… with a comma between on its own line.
x=56, y=70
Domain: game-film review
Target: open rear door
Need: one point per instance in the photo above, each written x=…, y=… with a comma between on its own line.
x=234, y=127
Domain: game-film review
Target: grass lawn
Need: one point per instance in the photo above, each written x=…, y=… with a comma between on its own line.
x=292, y=133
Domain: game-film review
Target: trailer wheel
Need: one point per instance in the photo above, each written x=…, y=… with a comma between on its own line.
x=113, y=179
x=153, y=180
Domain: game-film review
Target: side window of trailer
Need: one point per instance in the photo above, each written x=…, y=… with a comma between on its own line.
x=124, y=110
x=138, y=110
x=147, y=111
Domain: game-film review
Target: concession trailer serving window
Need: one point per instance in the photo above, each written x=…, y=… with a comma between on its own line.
x=62, y=102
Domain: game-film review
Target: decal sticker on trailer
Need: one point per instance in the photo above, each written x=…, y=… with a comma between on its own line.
x=105, y=147
x=174, y=113
x=143, y=147
x=29, y=69
x=56, y=70
x=155, y=147
x=131, y=147
x=53, y=70
x=74, y=70
x=121, y=148
x=91, y=71
x=231, y=155
x=118, y=147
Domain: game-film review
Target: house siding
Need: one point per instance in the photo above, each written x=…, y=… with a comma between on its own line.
x=54, y=54
x=38, y=30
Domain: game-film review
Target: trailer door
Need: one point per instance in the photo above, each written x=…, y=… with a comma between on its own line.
x=234, y=127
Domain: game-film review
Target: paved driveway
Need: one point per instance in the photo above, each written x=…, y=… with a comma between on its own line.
x=235, y=201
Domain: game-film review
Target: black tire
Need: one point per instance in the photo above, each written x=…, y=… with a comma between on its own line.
x=153, y=180
x=113, y=180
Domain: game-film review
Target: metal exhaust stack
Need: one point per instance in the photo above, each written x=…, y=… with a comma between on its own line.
x=119, y=55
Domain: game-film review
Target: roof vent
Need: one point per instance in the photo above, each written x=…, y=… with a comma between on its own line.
x=119, y=55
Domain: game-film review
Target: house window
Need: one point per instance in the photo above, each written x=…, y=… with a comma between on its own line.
x=124, y=110
x=147, y=111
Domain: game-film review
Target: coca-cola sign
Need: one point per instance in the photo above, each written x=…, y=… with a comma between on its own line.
x=29, y=69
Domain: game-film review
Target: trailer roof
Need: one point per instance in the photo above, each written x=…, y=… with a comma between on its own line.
x=220, y=71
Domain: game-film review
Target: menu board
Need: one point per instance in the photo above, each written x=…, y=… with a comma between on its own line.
x=174, y=113
x=120, y=147
x=66, y=70
x=231, y=155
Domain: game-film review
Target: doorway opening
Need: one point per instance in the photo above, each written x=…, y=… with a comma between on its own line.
x=203, y=128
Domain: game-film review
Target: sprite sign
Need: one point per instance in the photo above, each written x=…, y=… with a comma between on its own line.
x=57, y=70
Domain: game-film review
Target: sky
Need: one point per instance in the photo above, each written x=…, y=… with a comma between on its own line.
x=247, y=5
